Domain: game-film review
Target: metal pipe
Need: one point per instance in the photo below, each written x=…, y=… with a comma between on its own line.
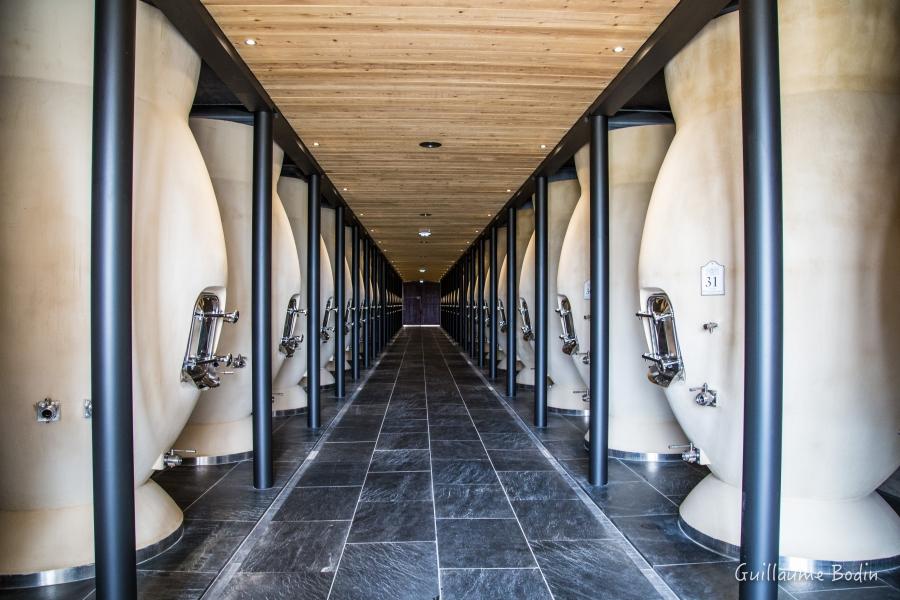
x=261, y=301
x=314, y=310
x=112, y=424
x=339, y=293
x=355, y=275
x=365, y=307
x=511, y=295
x=540, y=301
x=598, y=473
x=764, y=319
x=480, y=312
x=492, y=351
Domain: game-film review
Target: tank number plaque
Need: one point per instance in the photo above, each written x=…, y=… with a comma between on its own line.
x=587, y=289
x=712, y=279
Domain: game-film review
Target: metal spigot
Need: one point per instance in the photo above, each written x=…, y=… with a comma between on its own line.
x=705, y=396
x=171, y=459
x=228, y=317
x=691, y=455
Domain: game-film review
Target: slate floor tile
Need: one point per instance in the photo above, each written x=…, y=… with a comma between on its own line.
x=471, y=502
x=278, y=586
x=319, y=504
x=232, y=503
x=536, y=485
x=159, y=585
x=560, y=520
x=204, y=546
x=507, y=441
x=631, y=499
x=482, y=543
x=346, y=452
x=669, y=478
x=519, y=460
x=457, y=450
x=463, y=472
x=493, y=584
x=400, y=460
x=393, y=522
x=399, y=441
x=405, y=425
x=388, y=571
x=241, y=476
x=320, y=473
x=186, y=484
x=393, y=487
x=660, y=541
x=453, y=433
x=288, y=547
x=591, y=570
x=616, y=471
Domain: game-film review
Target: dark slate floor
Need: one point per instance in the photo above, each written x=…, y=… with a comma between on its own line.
x=429, y=484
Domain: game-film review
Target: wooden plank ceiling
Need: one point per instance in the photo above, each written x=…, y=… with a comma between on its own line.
x=497, y=82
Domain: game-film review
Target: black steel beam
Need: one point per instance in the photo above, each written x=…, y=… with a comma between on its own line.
x=339, y=294
x=314, y=311
x=541, y=289
x=261, y=300
x=599, y=327
x=512, y=293
x=764, y=295
x=492, y=294
x=112, y=424
x=355, y=313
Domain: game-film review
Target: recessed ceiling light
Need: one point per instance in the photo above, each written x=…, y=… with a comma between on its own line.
x=508, y=190
x=618, y=49
x=421, y=269
x=345, y=189
x=250, y=42
x=316, y=144
x=543, y=146
x=424, y=232
x=425, y=214
x=431, y=145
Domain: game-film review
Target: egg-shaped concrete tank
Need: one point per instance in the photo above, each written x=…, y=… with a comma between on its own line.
x=641, y=424
x=296, y=203
x=567, y=391
x=524, y=230
x=46, y=509
x=220, y=428
x=840, y=90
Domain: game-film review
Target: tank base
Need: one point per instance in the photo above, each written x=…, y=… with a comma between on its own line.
x=57, y=545
x=817, y=536
x=633, y=456
x=217, y=443
x=289, y=401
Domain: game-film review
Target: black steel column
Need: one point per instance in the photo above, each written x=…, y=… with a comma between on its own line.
x=367, y=325
x=314, y=314
x=540, y=301
x=340, y=355
x=112, y=424
x=481, y=302
x=763, y=344
x=512, y=293
x=492, y=299
x=471, y=301
x=461, y=300
x=261, y=301
x=599, y=356
x=355, y=314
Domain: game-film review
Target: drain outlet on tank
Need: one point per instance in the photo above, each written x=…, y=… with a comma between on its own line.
x=691, y=455
x=48, y=410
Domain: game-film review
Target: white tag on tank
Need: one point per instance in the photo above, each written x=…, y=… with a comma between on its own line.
x=587, y=289
x=712, y=279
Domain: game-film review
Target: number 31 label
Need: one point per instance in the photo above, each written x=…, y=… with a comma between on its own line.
x=712, y=279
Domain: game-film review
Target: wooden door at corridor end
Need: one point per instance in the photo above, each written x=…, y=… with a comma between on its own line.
x=421, y=303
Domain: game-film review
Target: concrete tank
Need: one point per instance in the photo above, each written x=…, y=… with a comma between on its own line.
x=524, y=229
x=567, y=391
x=840, y=124
x=46, y=516
x=220, y=429
x=642, y=425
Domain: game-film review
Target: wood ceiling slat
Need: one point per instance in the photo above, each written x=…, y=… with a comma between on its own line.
x=491, y=79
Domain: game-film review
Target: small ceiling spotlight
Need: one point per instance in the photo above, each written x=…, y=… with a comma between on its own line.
x=421, y=269
x=421, y=281
x=431, y=145
x=345, y=189
x=508, y=190
x=424, y=232
x=316, y=144
x=618, y=49
x=250, y=42
x=425, y=214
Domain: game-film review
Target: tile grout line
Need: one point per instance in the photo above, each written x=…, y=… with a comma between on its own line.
x=232, y=565
x=502, y=487
x=387, y=407
x=437, y=551
x=636, y=557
